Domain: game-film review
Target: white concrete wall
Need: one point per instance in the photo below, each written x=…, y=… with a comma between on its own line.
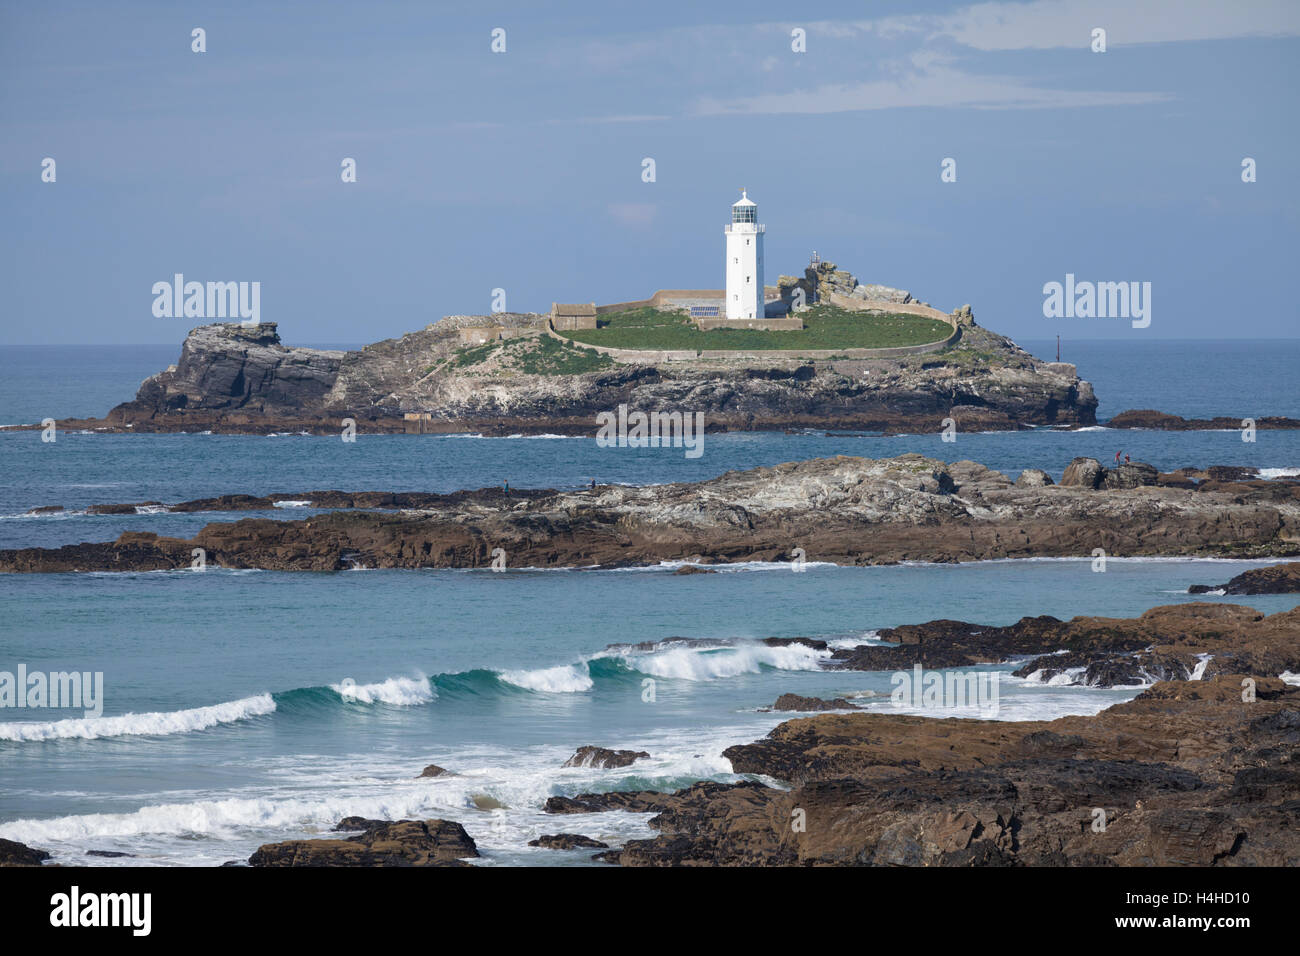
x=744, y=271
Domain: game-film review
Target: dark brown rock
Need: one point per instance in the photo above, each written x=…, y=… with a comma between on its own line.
x=603, y=759
x=380, y=843
x=567, y=841
x=13, y=853
x=1274, y=579
x=795, y=702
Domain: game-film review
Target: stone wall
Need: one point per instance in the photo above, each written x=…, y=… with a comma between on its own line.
x=791, y=323
x=649, y=357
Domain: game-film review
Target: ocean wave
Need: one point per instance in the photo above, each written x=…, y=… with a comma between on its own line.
x=1271, y=473
x=397, y=691
x=564, y=679
x=158, y=723
x=714, y=663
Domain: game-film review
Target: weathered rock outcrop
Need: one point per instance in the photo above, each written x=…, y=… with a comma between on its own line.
x=1274, y=579
x=380, y=843
x=842, y=510
x=601, y=758
x=229, y=366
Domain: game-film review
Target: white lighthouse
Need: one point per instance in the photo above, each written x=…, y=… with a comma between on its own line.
x=744, y=261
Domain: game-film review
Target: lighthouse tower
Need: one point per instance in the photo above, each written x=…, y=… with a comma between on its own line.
x=744, y=261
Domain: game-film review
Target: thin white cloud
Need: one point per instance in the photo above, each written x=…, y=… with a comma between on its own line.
x=1050, y=24
x=935, y=87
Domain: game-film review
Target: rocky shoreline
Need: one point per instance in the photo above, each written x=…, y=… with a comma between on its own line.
x=842, y=510
x=1191, y=772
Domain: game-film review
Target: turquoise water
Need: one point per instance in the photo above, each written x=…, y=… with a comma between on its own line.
x=244, y=707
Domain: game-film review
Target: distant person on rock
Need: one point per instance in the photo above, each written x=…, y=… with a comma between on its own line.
x=1127, y=459
x=506, y=486
x=1117, y=454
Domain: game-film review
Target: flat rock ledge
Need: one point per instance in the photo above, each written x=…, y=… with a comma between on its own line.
x=841, y=510
x=379, y=843
x=567, y=841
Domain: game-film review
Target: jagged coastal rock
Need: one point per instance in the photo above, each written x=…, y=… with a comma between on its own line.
x=842, y=510
x=603, y=759
x=1173, y=642
x=13, y=853
x=1274, y=579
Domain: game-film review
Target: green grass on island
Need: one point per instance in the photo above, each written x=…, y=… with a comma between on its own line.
x=825, y=327
x=534, y=355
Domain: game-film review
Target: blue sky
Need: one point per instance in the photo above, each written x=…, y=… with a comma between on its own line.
x=522, y=170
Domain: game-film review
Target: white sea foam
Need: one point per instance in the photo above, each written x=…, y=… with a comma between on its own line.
x=1202, y=662
x=563, y=679
x=1271, y=473
x=702, y=664
x=785, y=566
x=364, y=785
x=397, y=691
x=286, y=503
x=1289, y=678
x=148, y=724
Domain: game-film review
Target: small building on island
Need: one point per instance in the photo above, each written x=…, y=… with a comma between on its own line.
x=566, y=318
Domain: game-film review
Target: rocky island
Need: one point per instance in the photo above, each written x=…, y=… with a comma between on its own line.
x=515, y=373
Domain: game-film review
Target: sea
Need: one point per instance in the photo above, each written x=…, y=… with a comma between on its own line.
x=246, y=707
